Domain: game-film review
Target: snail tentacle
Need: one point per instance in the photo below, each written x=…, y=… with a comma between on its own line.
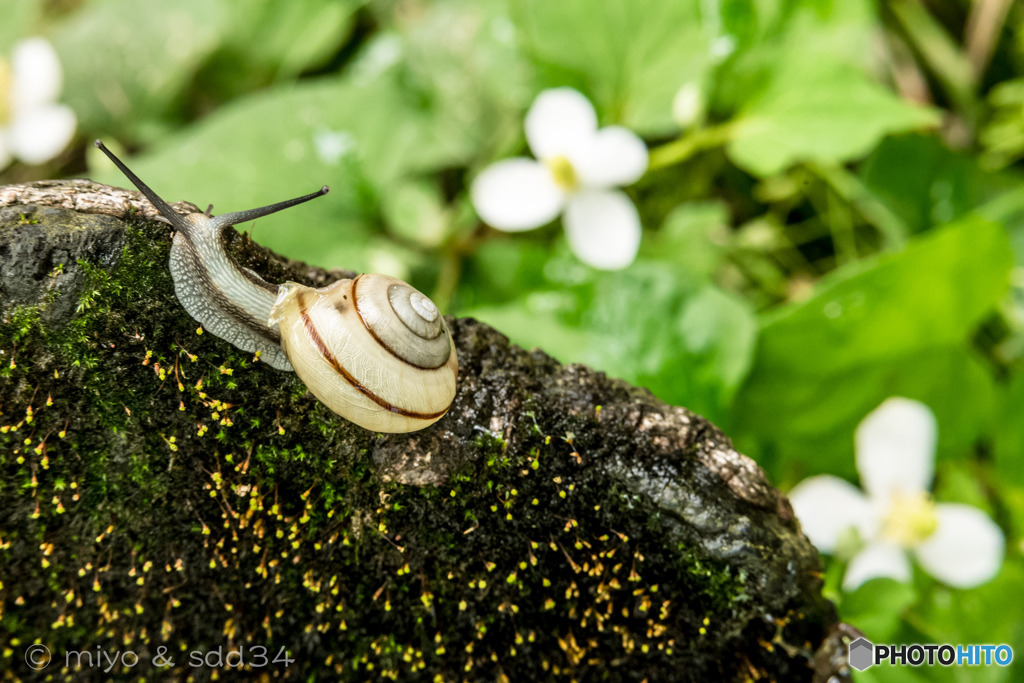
x=230, y=302
x=175, y=218
x=374, y=349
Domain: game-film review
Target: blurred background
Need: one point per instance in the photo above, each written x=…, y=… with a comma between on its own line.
x=833, y=212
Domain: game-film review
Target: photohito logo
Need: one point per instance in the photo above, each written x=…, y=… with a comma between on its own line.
x=864, y=653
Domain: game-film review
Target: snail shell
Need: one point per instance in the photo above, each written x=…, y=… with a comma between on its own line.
x=373, y=349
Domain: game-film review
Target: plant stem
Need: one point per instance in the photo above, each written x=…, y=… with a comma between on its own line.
x=984, y=23
x=840, y=225
x=463, y=240
x=950, y=65
x=448, y=279
x=1005, y=207
x=683, y=148
x=848, y=186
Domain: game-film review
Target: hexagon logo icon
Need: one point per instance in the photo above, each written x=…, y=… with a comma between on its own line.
x=862, y=654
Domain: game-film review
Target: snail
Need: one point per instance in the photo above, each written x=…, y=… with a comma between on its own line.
x=373, y=349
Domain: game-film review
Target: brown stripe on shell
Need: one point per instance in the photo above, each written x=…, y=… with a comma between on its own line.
x=355, y=303
x=318, y=342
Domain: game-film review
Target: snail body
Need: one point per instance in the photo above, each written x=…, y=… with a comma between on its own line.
x=373, y=349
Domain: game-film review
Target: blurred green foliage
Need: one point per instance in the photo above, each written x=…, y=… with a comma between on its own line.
x=842, y=221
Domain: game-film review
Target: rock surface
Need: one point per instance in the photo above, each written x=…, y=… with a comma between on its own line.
x=165, y=494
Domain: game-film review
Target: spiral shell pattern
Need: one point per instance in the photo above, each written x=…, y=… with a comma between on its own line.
x=373, y=349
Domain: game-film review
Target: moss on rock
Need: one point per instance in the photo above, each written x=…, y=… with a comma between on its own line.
x=167, y=494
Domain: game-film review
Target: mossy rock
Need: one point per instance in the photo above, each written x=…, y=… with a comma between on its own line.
x=162, y=489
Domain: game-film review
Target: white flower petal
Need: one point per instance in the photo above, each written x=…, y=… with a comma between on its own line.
x=827, y=506
x=560, y=122
x=516, y=194
x=603, y=228
x=688, y=104
x=614, y=156
x=36, y=74
x=895, y=447
x=43, y=134
x=966, y=549
x=877, y=560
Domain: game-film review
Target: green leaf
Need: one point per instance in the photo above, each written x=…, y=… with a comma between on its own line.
x=267, y=41
x=287, y=37
x=461, y=55
x=818, y=112
x=961, y=482
x=692, y=238
x=803, y=424
x=978, y=615
x=1009, y=435
x=415, y=210
x=632, y=56
x=652, y=324
x=117, y=77
x=634, y=319
x=533, y=322
x=1003, y=133
x=898, y=324
x=359, y=138
x=934, y=292
x=509, y=267
x=927, y=184
x=19, y=17
x=771, y=36
x=718, y=332
x=861, y=608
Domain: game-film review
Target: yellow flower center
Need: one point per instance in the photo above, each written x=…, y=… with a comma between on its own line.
x=563, y=173
x=911, y=519
x=5, y=91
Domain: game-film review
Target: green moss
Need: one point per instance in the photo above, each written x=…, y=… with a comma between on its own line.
x=22, y=321
x=164, y=489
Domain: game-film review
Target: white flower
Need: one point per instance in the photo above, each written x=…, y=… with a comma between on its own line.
x=895, y=451
x=332, y=145
x=578, y=167
x=688, y=104
x=33, y=127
